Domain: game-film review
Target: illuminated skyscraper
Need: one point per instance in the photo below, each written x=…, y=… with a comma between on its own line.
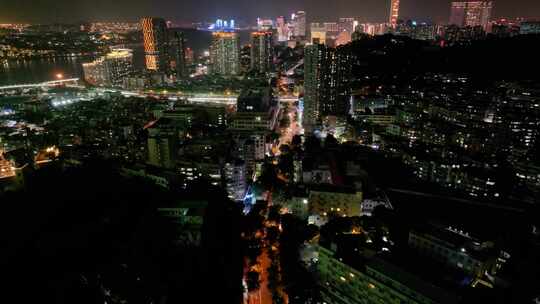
x=262, y=57
x=471, y=13
x=282, y=29
x=225, y=53
x=394, y=12
x=155, y=39
x=299, y=24
x=109, y=70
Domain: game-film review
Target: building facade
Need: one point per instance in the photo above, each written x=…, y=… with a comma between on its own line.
x=282, y=29
x=394, y=13
x=163, y=144
x=456, y=249
x=155, y=38
x=225, y=54
x=234, y=175
x=318, y=33
x=314, y=62
x=326, y=75
x=377, y=282
x=177, y=52
x=346, y=24
x=471, y=13
x=109, y=70
x=298, y=22
x=262, y=55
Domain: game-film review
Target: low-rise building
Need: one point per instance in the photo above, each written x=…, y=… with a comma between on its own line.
x=456, y=249
x=374, y=281
x=325, y=200
x=253, y=122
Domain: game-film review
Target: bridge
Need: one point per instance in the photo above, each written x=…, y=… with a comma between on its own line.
x=200, y=98
x=195, y=98
x=39, y=85
x=288, y=98
x=213, y=99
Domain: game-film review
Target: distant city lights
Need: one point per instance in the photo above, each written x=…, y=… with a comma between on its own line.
x=223, y=25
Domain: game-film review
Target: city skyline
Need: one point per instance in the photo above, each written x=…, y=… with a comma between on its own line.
x=49, y=11
x=242, y=152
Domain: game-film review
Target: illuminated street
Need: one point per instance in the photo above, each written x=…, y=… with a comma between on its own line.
x=6, y=168
x=264, y=295
x=294, y=127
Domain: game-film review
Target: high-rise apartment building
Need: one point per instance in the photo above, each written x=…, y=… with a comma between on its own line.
x=327, y=90
x=471, y=13
x=225, y=53
x=109, y=70
x=177, y=52
x=262, y=57
x=156, y=42
x=316, y=72
x=394, y=12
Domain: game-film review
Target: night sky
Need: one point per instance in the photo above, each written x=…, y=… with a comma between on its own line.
x=48, y=11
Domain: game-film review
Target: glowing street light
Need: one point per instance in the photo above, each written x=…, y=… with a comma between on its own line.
x=59, y=76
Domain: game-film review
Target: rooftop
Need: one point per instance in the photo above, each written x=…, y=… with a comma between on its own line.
x=410, y=280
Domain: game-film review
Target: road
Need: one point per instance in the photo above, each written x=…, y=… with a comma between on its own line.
x=263, y=295
x=293, y=129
